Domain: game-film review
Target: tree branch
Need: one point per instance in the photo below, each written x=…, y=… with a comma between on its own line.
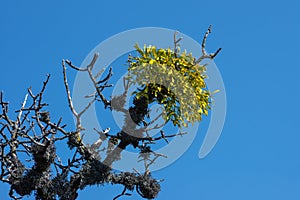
x=204, y=53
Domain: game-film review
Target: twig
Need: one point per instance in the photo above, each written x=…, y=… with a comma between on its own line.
x=106, y=78
x=87, y=107
x=136, y=171
x=155, y=119
x=163, y=137
x=43, y=89
x=91, y=65
x=74, y=67
x=99, y=73
x=204, y=39
x=68, y=90
x=157, y=155
x=4, y=106
x=122, y=194
x=23, y=105
x=204, y=53
x=176, y=43
x=89, y=69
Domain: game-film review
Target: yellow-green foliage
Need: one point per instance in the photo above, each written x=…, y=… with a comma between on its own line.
x=172, y=80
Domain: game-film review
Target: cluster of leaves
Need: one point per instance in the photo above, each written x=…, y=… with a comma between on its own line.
x=173, y=80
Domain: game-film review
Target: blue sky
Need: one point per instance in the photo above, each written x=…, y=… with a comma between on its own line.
x=257, y=156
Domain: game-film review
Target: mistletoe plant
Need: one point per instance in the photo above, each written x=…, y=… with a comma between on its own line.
x=172, y=79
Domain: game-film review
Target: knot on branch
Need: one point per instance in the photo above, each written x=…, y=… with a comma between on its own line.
x=139, y=110
x=32, y=180
x=16, y=169
x=43, y=155
x=94, y=172
x=132, y=138
x=129, y=180
x=74, y=140
x=145, y=185
x=148, y=187
x=45, y=116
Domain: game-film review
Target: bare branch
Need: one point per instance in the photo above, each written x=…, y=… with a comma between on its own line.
x=99, y=73
x=4, y=106
x=122, y=194
x=176, y=43
x=104, y=100
x=204, y=53
x=91, y=65
x=43, y=89
x=157, y=155
x=204, y=39
x=163, y=137
x=68, y=90
x=23, y=105
x=87, y=107
x=106, y=78
x=74, y=67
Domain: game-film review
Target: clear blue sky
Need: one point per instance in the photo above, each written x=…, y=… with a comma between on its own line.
x=258, y=154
